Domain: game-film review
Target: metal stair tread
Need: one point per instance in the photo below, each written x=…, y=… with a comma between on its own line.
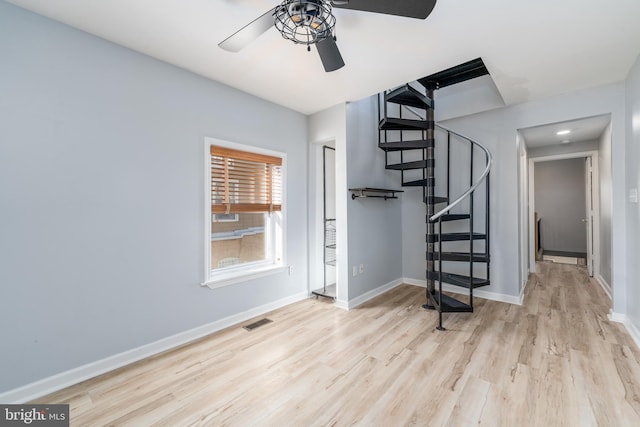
x=417, y=183
x=409, y=96
x=392, y=123
x=418, y=144
x=452, y=217
x=457, y=74
x=458, y=256
x=419, y=164
x=455, y=237
x=449, y=304
x=458, y=279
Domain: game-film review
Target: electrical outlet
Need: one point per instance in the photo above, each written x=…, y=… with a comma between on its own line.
x=355, y=270
x=290, y=270
x=633, y=195
x=361, y=268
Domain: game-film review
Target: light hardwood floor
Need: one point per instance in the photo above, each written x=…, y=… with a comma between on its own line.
x=556, y=360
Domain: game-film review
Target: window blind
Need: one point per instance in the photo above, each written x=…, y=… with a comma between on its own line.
x=244, y=182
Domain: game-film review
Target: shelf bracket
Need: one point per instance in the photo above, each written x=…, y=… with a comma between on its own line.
x=379, y=193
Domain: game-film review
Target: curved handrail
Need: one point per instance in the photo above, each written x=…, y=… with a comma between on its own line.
x=475, y=185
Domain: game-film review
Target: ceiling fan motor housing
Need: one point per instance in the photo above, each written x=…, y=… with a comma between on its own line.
x=305, y=21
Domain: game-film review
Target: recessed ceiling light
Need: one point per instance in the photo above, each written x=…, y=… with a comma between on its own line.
x=563, y=132
x=565, y=141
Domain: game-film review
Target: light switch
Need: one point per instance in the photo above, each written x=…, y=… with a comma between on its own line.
x=633, y=195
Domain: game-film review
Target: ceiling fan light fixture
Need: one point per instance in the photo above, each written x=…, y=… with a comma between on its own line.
x=305, y=21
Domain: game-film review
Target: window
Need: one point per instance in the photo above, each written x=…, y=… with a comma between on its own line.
x=244, y=211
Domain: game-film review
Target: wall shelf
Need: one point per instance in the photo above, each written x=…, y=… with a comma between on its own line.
x=380, y=193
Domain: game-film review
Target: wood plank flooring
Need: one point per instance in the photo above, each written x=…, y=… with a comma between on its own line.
x=555, y=361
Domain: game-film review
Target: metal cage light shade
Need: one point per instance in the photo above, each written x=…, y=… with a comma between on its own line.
x=305, y=21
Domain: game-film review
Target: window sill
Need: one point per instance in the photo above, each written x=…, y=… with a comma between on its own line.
x=243, y=275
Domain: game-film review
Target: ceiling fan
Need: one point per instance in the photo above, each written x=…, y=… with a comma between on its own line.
x=310, y=22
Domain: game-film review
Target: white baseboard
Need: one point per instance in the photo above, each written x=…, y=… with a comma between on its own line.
x=353, y=303
x=342, y=304
x=603, y=283
x=493, y=296
x=521, y=298
x=628, y=324
x=414, y=282
x=616, y=317
x=74, y=376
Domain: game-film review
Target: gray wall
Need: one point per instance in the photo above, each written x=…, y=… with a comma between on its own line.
x=633, y=182
x=605, y=187
x=560, y=200
x=375, y=226
x=102, y=197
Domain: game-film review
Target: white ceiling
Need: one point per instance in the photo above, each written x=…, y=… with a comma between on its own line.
x=533, y=49
x=582, y=130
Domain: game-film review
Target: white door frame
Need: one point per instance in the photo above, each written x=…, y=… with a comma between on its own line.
x=589, y=210
x=523, y=212
x=596, y=211
x=315, y=204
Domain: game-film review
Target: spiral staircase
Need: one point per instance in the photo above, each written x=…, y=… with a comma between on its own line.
x=455, y=188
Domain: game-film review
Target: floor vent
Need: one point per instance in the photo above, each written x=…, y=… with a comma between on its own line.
x=257, y=324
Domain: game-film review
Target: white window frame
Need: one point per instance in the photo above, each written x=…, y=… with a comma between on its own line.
x=275, y=227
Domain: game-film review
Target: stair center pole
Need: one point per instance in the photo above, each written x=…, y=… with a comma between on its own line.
x=430, y=196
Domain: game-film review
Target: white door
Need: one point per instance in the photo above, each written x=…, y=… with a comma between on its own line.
x=589, y=212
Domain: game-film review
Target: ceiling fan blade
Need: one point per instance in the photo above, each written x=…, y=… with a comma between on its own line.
x=248, y=33
x=329, y=54
x=419, y=9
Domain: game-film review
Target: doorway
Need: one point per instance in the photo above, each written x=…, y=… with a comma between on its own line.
x=560, y=207
x=329, y=258
x=323, y=237
x=563, y=208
